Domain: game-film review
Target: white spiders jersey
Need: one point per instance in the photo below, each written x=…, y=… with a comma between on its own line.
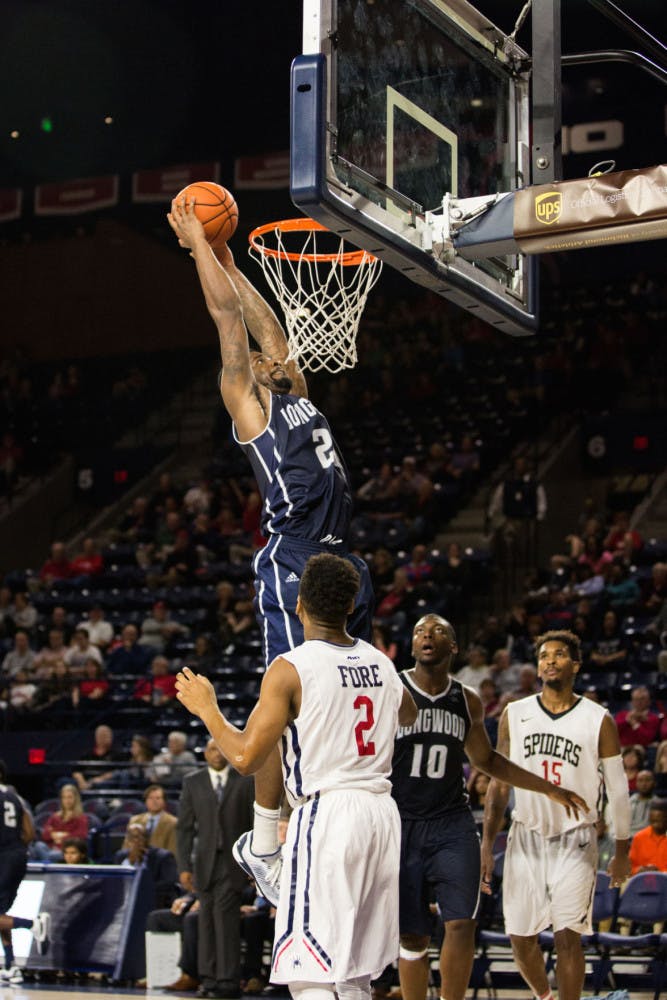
x=562, y=749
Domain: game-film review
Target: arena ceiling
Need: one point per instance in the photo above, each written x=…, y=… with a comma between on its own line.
x=116, y=85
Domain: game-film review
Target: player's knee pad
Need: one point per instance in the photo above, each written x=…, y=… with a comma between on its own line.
x=311, y=991
x=411, y=956
x=354, y=989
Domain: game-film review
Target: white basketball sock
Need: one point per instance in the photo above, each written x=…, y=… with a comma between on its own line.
x=265, y=830
x=311, y=991
x=354, y=989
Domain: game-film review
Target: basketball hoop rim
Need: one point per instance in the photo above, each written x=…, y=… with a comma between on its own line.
x=351, y=258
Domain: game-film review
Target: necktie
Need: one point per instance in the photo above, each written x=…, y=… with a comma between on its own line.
x=150, y=826
x=219, y=792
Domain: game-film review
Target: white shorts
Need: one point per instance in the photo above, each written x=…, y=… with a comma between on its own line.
x=338, y=911
x=549, y=881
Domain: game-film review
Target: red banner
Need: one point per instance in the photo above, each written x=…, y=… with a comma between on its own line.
x=268, y=171
x=74, y=197
x=162, y=184
x=11, y=201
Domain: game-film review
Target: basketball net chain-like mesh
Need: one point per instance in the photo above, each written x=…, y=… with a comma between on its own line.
x=322, y=300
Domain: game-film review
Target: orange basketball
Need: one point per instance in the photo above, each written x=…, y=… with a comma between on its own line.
x=215, y=207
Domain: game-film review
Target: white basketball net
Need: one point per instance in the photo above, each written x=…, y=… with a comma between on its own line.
x=322, y=300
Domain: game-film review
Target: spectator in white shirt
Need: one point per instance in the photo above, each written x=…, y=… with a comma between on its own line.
x=80, y=651
x=99, y=629
x=21, y=657
x=475, y=670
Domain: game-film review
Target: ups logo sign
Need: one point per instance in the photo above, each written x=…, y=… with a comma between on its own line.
x=548, y=207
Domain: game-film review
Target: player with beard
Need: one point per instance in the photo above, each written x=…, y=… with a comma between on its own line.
x=303, y=482
x=440, y=851
x=551, y=858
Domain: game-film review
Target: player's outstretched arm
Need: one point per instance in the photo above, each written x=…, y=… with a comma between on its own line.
x=223, y=303
x=495, y=808
x=261, y=320
x=482, y=756
x=245, y=749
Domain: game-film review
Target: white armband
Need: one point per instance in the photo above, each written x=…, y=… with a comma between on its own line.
x=616, y=785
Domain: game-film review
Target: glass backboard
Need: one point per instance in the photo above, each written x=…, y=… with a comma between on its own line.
x=397, y=106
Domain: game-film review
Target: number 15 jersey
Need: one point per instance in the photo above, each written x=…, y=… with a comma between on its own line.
x=561, y=748
x=344, y=734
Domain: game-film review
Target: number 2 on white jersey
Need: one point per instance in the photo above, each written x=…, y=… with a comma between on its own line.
x=362, y=701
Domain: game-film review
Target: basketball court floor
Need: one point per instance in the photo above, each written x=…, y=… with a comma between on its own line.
x=39, y=991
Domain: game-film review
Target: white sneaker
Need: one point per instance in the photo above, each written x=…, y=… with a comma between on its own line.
x=265, y=869
x=41, y=929
x=11, y=977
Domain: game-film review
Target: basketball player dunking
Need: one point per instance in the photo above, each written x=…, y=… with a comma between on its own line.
x=307, y=500
x=439, y=842
x=335, y=703
x=551, y=859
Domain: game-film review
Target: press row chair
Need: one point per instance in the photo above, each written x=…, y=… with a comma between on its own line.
x=644, y=903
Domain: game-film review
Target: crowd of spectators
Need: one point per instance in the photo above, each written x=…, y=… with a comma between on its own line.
x=97, y=633
x=107, y=625
x=51, y=409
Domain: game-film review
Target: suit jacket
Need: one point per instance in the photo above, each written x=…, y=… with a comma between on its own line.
x=200, y=815
x=163, y=834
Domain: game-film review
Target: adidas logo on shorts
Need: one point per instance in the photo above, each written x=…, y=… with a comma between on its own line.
x=292, y=578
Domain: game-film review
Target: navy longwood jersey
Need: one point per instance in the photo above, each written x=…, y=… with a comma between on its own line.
x=427, y=769
x=11, y=819
x=300, y=474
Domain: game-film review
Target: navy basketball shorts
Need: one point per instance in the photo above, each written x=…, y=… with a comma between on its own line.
x=440, y=861
x=278, y=568
x=12, y=871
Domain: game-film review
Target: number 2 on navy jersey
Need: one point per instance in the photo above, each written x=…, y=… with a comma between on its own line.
x=363, y=703
x=325, y=449
x=435, y=762
x=9, y=816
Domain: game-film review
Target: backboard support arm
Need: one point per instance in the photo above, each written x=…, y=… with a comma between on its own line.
x=546, y=150
x=636, y=59
x=648, y=42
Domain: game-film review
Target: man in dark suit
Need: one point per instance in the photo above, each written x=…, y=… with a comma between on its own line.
x=160, y=863
x=216, y=808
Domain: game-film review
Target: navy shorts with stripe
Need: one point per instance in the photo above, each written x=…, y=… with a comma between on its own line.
x=278, y=568
x=440, y=859
x=12, y=871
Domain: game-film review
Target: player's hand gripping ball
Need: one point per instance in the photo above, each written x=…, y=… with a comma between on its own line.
x=215, y=207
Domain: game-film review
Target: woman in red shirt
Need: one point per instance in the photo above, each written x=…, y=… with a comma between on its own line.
x=68, y=821
x=88, y=562
x=633, y=762
x=93, y=687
